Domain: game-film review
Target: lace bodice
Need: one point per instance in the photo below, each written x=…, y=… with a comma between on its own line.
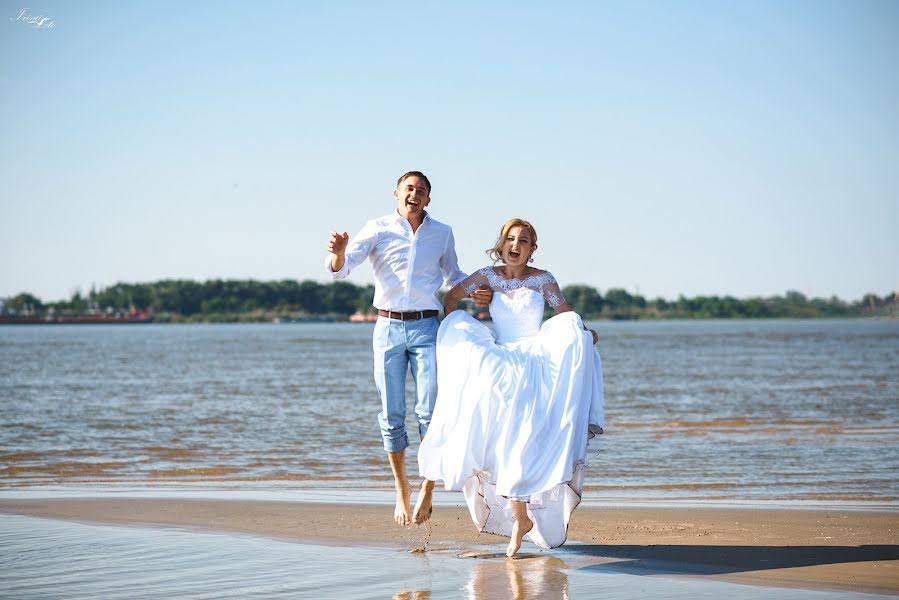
x=517, y=305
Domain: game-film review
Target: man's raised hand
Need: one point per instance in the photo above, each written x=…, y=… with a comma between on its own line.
x=337, y=242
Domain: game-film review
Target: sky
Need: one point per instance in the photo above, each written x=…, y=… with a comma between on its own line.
x=668, y=148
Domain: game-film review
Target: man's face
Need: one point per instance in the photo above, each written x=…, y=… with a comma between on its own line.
x=412, y=197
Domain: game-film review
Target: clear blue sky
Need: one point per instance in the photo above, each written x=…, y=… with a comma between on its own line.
x=742, y=148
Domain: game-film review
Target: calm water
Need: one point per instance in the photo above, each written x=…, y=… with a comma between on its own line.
x=55, y=559
x=719, y=410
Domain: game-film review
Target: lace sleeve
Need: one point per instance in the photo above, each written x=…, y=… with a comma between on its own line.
x=474, y=281
x=551, y=291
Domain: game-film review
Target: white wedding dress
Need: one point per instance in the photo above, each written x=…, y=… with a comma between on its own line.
x=513, y=410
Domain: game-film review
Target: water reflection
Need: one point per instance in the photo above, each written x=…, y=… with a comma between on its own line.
x=529, y=576
x=43, y=558
x=496, y=577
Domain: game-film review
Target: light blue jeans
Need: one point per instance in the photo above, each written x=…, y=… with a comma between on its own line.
x=400, y=346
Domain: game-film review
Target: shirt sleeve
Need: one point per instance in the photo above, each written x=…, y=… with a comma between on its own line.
x=449, y=262
x=551, y=291
x=357, y=251
x=474, y=281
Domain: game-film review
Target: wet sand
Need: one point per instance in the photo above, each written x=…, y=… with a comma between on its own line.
x=801, y=548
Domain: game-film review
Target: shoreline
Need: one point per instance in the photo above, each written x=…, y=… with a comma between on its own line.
x=241, y=319
x=385, y=495
x=807, y=548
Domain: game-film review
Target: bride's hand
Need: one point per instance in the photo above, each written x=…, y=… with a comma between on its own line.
x=595, y=336
x=482, y=296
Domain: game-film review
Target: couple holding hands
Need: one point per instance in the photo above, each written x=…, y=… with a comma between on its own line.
x=506, y=416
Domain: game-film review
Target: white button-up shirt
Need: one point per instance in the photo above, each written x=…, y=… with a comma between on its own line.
x=409, y=267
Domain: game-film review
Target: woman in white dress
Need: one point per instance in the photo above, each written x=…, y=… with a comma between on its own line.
x=514, y=409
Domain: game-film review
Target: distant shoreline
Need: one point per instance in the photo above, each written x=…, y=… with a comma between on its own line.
x=239, y=319
x=231, y=301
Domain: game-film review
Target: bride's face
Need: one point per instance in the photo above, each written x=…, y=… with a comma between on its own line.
x=518, y=247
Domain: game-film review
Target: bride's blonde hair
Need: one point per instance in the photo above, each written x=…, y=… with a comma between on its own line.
x=496, y=253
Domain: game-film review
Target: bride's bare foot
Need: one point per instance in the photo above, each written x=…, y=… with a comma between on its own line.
x=402, y=514
x=423, y=506
x=520, y=527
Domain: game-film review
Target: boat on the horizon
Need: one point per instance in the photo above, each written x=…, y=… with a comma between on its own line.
x=363, y=318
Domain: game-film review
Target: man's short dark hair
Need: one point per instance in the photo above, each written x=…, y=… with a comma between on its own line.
x=414, y=174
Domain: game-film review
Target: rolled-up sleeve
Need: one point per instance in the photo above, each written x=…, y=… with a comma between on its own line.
x=357, y=251
x=449, y=263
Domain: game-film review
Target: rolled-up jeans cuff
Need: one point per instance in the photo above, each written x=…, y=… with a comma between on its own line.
x=396, y=444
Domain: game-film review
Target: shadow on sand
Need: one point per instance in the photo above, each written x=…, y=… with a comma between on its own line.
x=719, y=560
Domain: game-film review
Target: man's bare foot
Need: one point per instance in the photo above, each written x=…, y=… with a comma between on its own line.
x=520, y=527
x=423, y=506
x=402, y=514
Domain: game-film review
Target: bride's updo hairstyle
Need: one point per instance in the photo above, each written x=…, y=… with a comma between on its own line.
x=496, y=253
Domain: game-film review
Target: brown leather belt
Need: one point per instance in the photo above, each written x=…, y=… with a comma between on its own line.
x=408, y=316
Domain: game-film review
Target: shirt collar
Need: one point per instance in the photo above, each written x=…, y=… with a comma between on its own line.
x=400, y=218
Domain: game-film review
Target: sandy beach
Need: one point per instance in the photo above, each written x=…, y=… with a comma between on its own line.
x=853, y=550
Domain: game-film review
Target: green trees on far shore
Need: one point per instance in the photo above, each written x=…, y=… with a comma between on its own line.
x=619, y=304
x=250, y=300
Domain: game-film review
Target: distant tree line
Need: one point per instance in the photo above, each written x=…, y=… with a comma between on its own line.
x=250, y=300
x=617, y=303
x=213, y=300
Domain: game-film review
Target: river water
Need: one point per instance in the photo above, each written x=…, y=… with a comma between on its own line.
x=696, y=411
